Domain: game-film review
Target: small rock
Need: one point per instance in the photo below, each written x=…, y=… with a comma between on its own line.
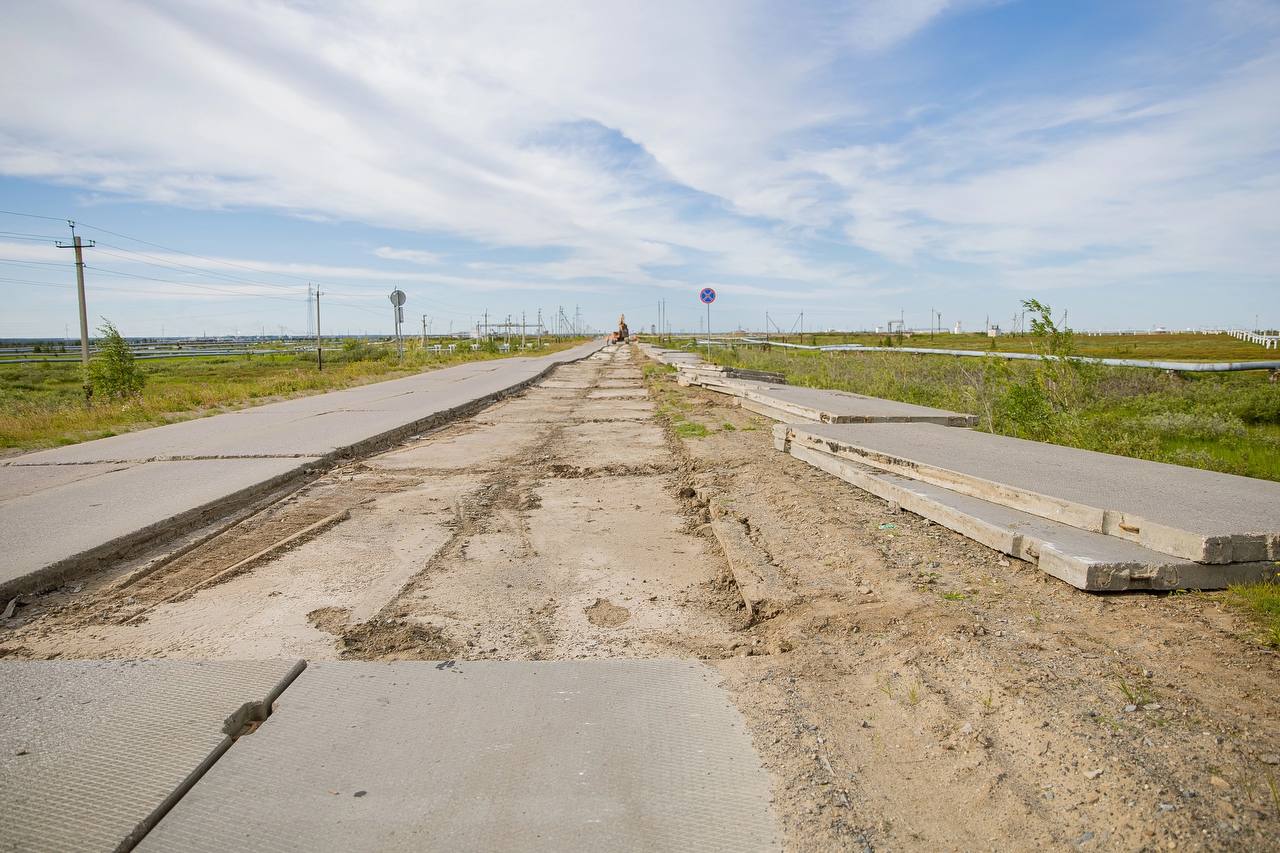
x=1151, y=706
x=1219, y=782
x=359, y=793
x=1146, y=673
x=1165, y=807
x=1084, y=838
x=1270, y=758
x=865, y=590
x=1129, y=709
x=966, y=729
x=866, y=725
x=21, y=751
x=1093, y=774
x=9, y=608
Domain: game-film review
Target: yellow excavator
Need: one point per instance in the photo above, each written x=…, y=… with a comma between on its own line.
x=620, y=336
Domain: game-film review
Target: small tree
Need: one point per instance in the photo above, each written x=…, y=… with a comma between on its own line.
x=113, y=373
x=1062, y=378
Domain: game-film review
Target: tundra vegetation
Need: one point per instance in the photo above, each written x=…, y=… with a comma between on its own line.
x=1226, y=422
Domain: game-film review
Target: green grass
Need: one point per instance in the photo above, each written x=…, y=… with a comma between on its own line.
x=690, y=429
x=1226, y=422
x=1261, y=601
x=42, y=404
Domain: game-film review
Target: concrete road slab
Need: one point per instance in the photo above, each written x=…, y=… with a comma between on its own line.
x=827, y=406
x=1089, y=561
x=92, y=753
x=238, y=454
x=487, y=756
x=470, y=449
x=63, y=530
x=1198, y=515
x=320, y=425
x=630, y=392
x=602, y=444
x=17, y=482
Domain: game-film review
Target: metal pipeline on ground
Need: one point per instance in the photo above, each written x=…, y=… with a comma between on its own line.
x=1190, y=366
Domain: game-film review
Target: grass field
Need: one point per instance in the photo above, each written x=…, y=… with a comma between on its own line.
x=1222, y=422
x=1166, y=347
x=42, y=404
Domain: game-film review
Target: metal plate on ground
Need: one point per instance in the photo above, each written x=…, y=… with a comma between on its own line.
x=92, y=752
x=487, y=755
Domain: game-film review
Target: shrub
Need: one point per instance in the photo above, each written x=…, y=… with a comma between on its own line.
x=113, y=373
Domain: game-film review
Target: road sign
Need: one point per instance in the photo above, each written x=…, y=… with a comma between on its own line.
x=397, y=298
x=708, y=295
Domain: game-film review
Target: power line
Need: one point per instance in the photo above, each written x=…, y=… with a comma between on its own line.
x=34, y=216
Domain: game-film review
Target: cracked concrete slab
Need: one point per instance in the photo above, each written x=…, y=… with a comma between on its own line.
x=487, y=755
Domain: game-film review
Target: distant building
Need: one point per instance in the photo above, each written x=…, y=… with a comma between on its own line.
x=993, y=332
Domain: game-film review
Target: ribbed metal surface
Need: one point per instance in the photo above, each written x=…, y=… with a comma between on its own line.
x=565, y=756
x=90, y=750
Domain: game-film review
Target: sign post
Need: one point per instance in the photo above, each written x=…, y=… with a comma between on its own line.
x=708, y=295
x=397, y=305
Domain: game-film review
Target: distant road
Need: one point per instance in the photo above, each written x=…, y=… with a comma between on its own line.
x=66, y=510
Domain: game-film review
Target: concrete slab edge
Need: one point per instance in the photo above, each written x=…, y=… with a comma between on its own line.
x=184, y=787
x=1157, y=537
x=1081, y=572
x=758, y=580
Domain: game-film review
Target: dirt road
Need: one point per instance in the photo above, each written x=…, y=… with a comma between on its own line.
x=911, y=690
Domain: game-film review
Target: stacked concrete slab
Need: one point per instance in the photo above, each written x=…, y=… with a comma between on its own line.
x=789, y=404
x=692, y=369
x=1097, y=521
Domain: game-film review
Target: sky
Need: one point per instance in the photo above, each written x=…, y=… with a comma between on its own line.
x=852, y=162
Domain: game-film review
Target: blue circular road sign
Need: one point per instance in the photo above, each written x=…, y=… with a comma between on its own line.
x=708, y=295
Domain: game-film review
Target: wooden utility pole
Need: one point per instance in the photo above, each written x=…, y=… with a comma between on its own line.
x=319, y=350
x=84, y=311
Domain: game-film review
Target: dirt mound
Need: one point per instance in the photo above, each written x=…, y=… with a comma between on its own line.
x=605, y=614
x=393, y=639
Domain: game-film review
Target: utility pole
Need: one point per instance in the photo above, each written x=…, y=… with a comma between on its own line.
x=521, y=330
x=79, y=246
x=319, y=350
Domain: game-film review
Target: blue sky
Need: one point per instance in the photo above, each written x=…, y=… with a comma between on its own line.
x=854, y=160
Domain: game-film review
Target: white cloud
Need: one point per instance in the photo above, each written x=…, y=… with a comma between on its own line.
x=413, y=256
x=645, y=143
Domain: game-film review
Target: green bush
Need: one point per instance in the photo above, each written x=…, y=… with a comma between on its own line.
x=113, y=374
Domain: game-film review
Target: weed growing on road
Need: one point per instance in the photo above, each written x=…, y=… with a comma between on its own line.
x=954, y=596
x=690, y=429
x=1136, y=695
